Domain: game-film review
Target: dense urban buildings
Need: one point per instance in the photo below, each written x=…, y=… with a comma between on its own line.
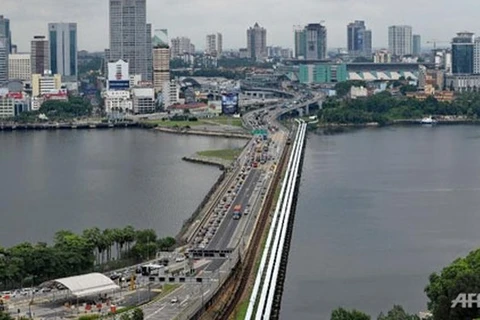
x=39, y=55
x=214, y=44
x=130, y=37
x=462, y=53
x=257, y=42
x=5, y=32
x=417, y=45
x=181, y=46
x=63, y=50
x=19, y=66
x=359, y=39
x=400, y=40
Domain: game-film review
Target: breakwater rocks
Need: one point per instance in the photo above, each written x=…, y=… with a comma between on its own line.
x=221, y=163
x=223, y=134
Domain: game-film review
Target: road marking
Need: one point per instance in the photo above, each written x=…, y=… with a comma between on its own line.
x=149, y=316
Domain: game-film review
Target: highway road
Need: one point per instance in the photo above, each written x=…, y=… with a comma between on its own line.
x=228, y=226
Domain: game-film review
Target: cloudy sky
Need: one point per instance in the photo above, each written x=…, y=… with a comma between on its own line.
x=433, y=19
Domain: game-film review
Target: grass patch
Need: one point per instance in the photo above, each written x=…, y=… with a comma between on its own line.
x=236, y=122
x=170, y=124
x=241, y=310
x=226, y=154
x=167, y=289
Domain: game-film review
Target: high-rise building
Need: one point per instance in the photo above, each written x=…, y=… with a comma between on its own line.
x=316, y=41
x=214, y=43
x=161, y=65
x=149, y=53
x=160, y=37
x=476, y=56
x=3, y=61
x=359, y=39
x=417, y=45
x=219, y=44
x=257, y=42
x=6, y=32
x=19, y=66
x=63, y=50
x=181, y=46
x=462, y=53
x=400, y=40
x=40, y=55
x=128, y=35
x=367, y=43
x=300, y=42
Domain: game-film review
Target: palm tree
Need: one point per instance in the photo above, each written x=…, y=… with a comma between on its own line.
x=129, y=234
x=108, y=240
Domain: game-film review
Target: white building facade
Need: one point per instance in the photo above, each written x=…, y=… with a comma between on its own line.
x=7, y=107
x=143, y=100
x=400, y=40
x=19, y=67
x=171, y=93
x=118, y=101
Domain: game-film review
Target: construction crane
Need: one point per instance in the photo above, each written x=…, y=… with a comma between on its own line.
x=435, y=41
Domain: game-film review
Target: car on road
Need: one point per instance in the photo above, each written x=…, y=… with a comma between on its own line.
x=174, y=300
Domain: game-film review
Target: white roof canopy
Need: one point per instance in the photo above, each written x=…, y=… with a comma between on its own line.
x=86, y=285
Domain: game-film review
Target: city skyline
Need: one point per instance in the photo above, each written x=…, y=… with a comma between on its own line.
x=181, y=20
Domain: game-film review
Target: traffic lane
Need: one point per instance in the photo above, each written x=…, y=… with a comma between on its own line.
x=228, y=219
x=251, y=197
x=224, y=236
x=189, y=294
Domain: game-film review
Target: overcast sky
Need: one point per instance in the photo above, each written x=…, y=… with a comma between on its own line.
x=439, y=19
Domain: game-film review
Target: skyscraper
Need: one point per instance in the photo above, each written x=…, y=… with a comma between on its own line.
x=40, y=55
x=219, y=44
x=161, y=62
x=3, y=61
x=214, y=44
x=462, y=53
x=180, y=46
x=130, y=38
x=257, y=42
x=316, y=41
x=417, y=45
x=6, y=32
x=160, y=37
x=400, y=40
x=63, y=50
x=300, y=42
x=476, y=56
x=359, y=39
x=367, y=43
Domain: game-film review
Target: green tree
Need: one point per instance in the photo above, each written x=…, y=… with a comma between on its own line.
x=125, y=316
x=129, y=234
x=397, y=313
x=137, y=314
x=166, y=244
x=342, y=314
x=461, y=276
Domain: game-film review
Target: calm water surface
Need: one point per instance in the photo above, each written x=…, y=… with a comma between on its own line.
x=378, y=211
x=51, y=180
